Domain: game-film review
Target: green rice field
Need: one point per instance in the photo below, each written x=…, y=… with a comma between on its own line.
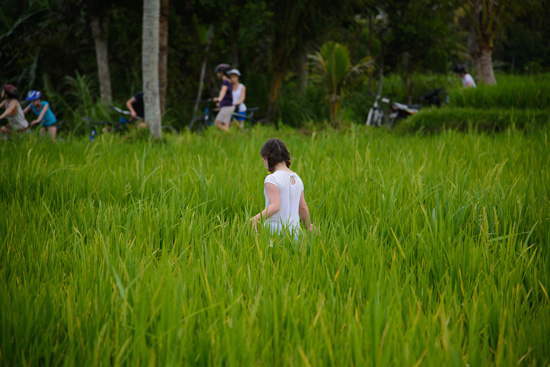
x=431, y=251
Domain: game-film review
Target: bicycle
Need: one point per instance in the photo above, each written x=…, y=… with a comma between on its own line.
x=122, y=125
x=249, y=119
x=399, y=111
x=377, y=114
x=206, y=119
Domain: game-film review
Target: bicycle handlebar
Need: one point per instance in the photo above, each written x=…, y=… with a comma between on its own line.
x=115, y=108
x=92, y=122
x=122, y=112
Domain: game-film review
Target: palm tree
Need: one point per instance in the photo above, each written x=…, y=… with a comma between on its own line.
x=163, y=52
x=486, y=17
x=332, y=66
x=150, y=59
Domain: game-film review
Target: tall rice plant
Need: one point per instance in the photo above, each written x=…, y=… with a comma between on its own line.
x=433, y=250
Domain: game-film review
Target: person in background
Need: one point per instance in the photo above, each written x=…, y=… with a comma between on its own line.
x=137, y=109
x=467, y=79
x=14, y=112
x=239, y=95
x=224, y=99
x=43, y=112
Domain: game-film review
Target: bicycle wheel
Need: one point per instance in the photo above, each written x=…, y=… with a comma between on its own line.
x=370, y=117
x=198, y=123
x=169, y=129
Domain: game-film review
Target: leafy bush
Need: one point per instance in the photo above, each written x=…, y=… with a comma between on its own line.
x=77, y=100
x=296, y=109
x=434, y=120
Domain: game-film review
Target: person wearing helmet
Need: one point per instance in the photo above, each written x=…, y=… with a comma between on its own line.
x=467, y=79
x=239, y=95
x=14, y=113
x=43, y=112
x=224, y=99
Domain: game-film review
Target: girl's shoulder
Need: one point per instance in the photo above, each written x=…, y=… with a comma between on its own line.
x=279, y=175
x=13, y=102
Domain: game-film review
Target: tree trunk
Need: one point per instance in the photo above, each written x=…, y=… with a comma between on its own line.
x=235, y=25
x=150, y=60
x=209, y=37
x=473, y=50
x=334, y=104
x=303, y=72
x=380, y=67
x=371, y=47
x=99, y=32
x=274, y=89
x=486, y=61
x=407, y=77
x=163, y=52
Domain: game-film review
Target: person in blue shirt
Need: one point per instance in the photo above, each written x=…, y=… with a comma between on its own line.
x=44, y=112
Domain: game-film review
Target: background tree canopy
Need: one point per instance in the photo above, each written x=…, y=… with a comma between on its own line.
x=49, y=45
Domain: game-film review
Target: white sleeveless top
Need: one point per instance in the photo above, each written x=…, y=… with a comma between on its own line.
x=237, y=95
x=18, y=120
x=468, y=79
x=288, y=216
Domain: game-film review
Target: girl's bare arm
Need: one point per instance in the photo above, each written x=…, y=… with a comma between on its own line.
x=304, y=213
x=41, y=116
x=130, y=105
x=222, y=93
x=9, y=110
x=27, y=109
x=274, y=203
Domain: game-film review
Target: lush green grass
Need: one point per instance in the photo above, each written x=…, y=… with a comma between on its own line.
x=521, y=102
x=511, y=91
x=461, y=118
x=432, y=251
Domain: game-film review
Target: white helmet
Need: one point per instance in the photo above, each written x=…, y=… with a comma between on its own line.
x=234, y=71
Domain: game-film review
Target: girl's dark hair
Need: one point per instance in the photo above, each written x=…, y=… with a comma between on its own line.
x=275, y=151
x=11, y=91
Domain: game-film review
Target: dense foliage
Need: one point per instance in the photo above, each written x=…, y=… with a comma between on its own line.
x=46, y=44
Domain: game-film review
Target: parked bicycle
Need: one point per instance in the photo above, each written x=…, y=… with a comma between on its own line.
x=377, y=114
x=380, y=115
x=206, y=119
x=122, y=125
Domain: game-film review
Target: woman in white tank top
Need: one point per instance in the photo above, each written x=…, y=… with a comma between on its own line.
x=13, y=112
x=285, y=204
x=239, y=94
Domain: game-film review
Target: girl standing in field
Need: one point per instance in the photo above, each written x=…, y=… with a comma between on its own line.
x=13, y=112
x=43, y=112
x=285, y=204
x=224, y=99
